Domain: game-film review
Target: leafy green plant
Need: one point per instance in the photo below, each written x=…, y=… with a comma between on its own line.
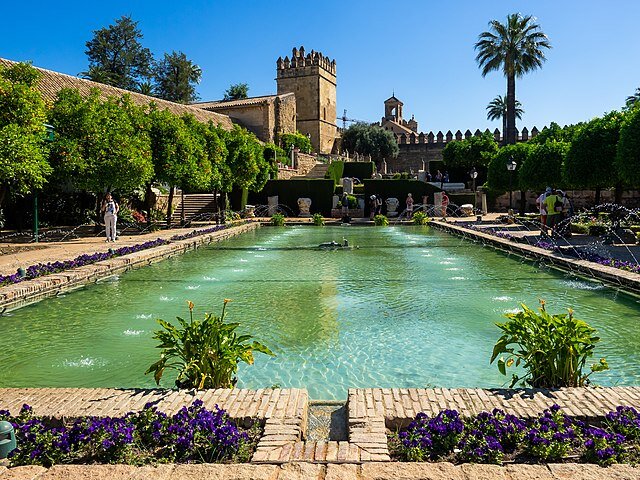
x=553, y=349
x=353, y=201
x=420, y=218
x=318, y=219
x=277, y=220
x=380, y=221
x=206, y=353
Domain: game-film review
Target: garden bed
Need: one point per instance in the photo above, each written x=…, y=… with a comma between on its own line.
x=500, y=438
x=193, y=435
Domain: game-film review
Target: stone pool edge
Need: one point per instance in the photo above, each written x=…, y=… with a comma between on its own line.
x=283, y=453
x=611, y=275
x=20, y=294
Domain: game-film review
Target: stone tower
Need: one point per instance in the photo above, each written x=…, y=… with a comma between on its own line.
x=312, y=78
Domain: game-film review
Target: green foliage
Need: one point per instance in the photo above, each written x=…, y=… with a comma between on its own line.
x=101, y=145
x=335, y=171
x=247, y=165
x=23, y=163
x=556, y=133
x=472, y=152
x=317, y=219
x=380, y=221
x=420, y=218
x=498, y=177
x=277, y=220
x=552, y=349
x=175, y=78
x=237, y=91
x=591, y=156
x=296, y=140
x=628, y=155
x=116, y=56
x=371, y=140
x=543, y=166
x=401, y=176
x=360, y=170
x=515, y=47
x=632, y=100
x=353, y=201
x=206, y=353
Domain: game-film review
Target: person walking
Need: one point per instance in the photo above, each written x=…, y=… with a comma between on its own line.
x=445, y=205
x=543, y=208
x=553, y=206
x=372, y=206
x=409, y=202
x=110, y=209
x=378, y=204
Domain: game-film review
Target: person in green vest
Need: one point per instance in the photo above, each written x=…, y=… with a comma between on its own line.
x=553, y=205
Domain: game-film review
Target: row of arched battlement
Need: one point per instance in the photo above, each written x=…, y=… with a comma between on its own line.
x=299, y=59
x=440, y=137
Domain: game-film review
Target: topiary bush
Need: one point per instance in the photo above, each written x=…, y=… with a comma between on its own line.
x=380, y=221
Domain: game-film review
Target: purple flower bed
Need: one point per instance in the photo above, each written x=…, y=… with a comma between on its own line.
x=593, y=257
x=194, y=434
x=497, y=437
x=40, y=269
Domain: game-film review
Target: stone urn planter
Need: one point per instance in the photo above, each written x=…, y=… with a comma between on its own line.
x=392, y=206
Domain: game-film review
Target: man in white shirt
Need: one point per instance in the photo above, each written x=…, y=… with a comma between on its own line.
x=541, y=207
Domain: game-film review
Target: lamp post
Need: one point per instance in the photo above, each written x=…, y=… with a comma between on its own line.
x=511, y=166
x=473, y=174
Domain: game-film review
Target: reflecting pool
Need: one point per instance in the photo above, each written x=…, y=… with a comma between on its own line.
x=411, y=307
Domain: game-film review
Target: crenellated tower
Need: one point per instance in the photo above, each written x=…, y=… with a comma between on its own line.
x=312, y=78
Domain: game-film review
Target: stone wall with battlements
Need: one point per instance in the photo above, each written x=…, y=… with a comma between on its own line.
x=312, y=78
x=418, y=147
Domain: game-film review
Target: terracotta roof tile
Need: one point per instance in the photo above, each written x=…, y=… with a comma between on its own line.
x=244, y=102
x=52, y=82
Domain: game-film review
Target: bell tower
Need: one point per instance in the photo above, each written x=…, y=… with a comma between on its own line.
x=312, y=78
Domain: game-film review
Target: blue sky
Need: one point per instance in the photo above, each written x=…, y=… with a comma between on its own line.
x=422, y=50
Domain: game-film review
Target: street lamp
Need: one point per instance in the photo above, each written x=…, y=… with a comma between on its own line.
x=511, y=166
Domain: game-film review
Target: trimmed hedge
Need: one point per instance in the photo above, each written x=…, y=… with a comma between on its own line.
x=319, y=190
x=335, y=171
x=359, y=170
x=398, y=189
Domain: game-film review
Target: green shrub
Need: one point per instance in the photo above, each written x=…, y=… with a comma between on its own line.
x=277, y=220
x=553, y=349
x=205, y=353
x=334, y=171
x=380, y=221
x=420, y=218
x=318, y=219
x=581, y=228
x=353, y=201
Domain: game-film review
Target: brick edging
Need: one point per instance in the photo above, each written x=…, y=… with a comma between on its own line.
x=610, y=275
x=19, y=294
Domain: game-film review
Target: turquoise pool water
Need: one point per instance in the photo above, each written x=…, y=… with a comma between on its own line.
x=412, y=307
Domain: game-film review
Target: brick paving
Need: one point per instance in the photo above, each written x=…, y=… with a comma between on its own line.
x=308, y=471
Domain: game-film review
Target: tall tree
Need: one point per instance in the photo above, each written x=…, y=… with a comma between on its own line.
x=370, y=140
x=100, y=145
x=591, y=156
x=176, y=78
x=633, y=99
x=116, y=56
x=497, y=110
x=23, y=161
x=543, y=166
x=628, y=154
x=237, y=91
x=515, y=47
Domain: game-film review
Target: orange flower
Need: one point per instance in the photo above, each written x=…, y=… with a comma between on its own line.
x=227, y=300
x=190, y=303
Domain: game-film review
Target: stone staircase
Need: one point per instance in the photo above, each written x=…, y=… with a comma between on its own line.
x=195, y=205
x=318, y=171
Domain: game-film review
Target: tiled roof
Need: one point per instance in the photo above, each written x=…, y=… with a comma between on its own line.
x=245, y=102
x=52, y=82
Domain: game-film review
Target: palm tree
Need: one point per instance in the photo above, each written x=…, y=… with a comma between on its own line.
x=633, y=99
x=497, y=109
x=515, y=47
